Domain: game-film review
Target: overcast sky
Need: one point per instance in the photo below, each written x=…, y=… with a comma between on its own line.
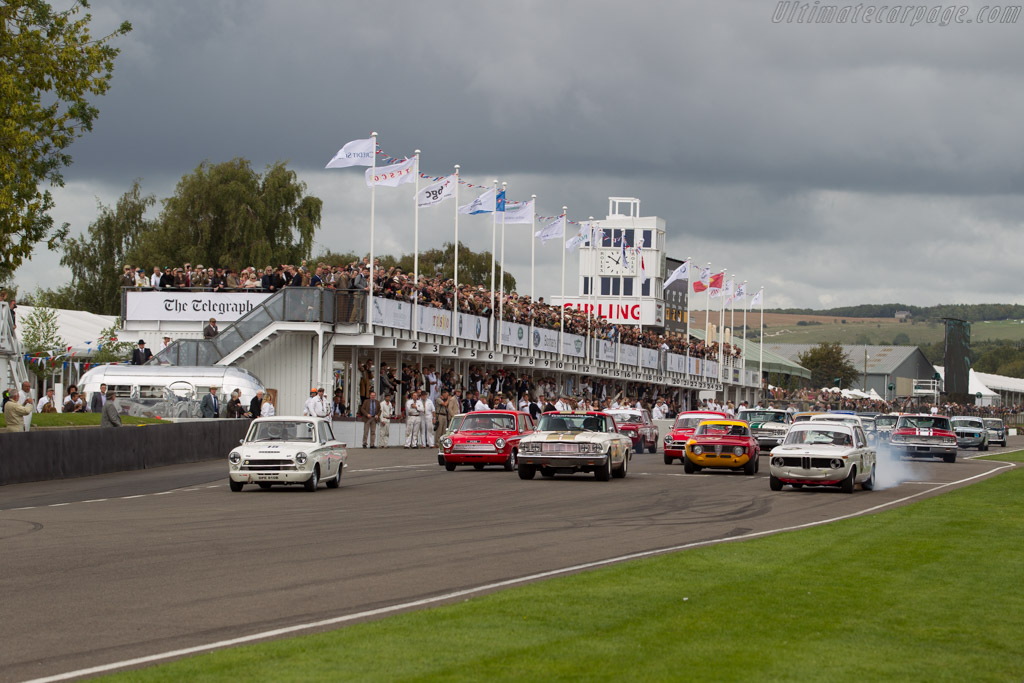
x=833, y=164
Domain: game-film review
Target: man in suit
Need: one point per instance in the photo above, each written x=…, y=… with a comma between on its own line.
x=210, y=406
x=256, y=405
x=141, y=354
x=98, y=400
x=211, y=331
x=369, y=413
x=110, y=417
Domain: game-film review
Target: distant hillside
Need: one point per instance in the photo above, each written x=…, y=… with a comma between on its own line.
x=970, y=312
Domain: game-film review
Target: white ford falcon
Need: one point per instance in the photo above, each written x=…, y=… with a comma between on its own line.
x=820, y=453
x=565, y=443
x=287, y=450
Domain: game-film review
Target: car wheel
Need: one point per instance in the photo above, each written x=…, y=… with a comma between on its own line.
x=604, y=472
x=264, y=484
x=449, y=466
x=314, y=479
x=869, y=483
x=983, y=447
x=335, y=481
x=775, y=483
x=620, y=472
x=440, y=459
x=949, y=458
x=527, y=471
x=235, y=486
x=688, y=466
x=750, y=467
x=510, y=464
x=848, y=483
x=653, y=448
x=545, y=472
x=478, y=467
x=668, y=460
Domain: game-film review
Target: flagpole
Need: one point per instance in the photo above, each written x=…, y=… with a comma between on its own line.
x=494, y=234
x=760, y=361
x=373, y=202
x=455, y=299
x=501, y=283
x=744, y=328
x=533, y=252
x=640, y=301
x=416, y=251
x=593, y=267
x=689, y=279
x=561, y=324
x=707, y=309
x=732, y=312
x=721, y=323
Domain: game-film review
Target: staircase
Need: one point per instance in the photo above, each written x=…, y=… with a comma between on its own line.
x=291, y=309
x=11, y=354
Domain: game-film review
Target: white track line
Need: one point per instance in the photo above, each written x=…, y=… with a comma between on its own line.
x=423, y=602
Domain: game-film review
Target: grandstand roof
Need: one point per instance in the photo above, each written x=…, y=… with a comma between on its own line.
x=882, y=360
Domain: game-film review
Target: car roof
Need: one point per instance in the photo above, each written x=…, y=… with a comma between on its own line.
x=495, y=412
x=574, y=412
x=627, y=411
x=731, y=423
x=701, y=412
x=804, y=426
x=291, y=418
x=763, y=410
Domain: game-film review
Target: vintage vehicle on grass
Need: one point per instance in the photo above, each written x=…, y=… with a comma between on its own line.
x=287, y=450
x=722, y=444
x=923, y=436
x=996, y=430
x=970, y=432
x=569, y=442
x=821, y=453
x=768, y=425
x=486, y=437
x=639, y=427
x=682, y=429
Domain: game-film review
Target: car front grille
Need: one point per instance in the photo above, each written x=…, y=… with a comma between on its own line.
x=473, y=448
x=805, y=462
x=560, y=448
x=269, y=465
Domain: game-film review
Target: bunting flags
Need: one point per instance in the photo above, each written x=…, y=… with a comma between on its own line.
x=519, y=212
x=431, y=195
x=355, y=153
x=485, y=203
x=391, y=176
x=552, y=230
x=680, y=273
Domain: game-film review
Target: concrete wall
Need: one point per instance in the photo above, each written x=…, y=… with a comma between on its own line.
x=45, y=454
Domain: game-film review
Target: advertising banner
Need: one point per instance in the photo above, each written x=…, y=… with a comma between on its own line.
x=191, y=306
x=472, y=327
x=545, y=340
x=392, y=313
x=515, y=334
x=649, y=358
x=606, y=350
x=628, y=355
x=435, y=320
x=574, y=345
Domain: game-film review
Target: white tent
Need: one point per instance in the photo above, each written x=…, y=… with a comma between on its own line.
x=872, y=394
x=78, y=329
x=974, y=387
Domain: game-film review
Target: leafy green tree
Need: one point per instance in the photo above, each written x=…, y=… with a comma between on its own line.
x=901, y=339
x=40, y=335
x=474, y=267
x=50, y=66
x=227, y=214
x=827, y=361
x=113, y=349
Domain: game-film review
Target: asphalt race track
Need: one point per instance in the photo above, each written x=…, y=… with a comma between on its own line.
x=109, y=568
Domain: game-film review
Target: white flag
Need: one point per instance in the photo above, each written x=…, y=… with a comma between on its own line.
x=680, y=273
x=393, y=175
x=355, y=153
x=715, y=292
x=519, y=212
x=741, y=291
x=643, y=267
x=705, y=276
x=758, y=298
x=579, y=238
x=482, y=204
x=552, y=230
x=438, y=192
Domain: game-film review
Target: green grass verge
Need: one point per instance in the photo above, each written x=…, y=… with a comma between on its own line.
x=926, y=592
x=47, y=420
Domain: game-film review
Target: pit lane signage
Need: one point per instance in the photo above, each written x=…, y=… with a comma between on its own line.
x=191, y=306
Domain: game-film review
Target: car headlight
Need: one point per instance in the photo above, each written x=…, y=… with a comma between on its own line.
x=301, y=458
x=898, y=438
x=499, y=444
x=668, y=439
x=529, y=447
x=235, y=458
x=837, y=463
x=949, y=440
x=697, y=450
x=738, y=450
x=446, y=442
x=777, y=461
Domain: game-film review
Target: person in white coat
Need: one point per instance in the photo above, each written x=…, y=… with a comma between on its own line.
x=427, y=422
x=387, y=412
x=413, y=421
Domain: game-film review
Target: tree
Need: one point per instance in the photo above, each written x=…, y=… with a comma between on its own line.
x=227, y=214
x=49, y=67
x=40, y=335
x=112, y=349
x=901, y=339
x=827, y=361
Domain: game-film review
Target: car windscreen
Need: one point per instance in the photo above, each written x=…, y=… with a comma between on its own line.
x=968, y=422
x=993, y=423
x=690, y=421
x=762, y=416
x=283, y=431
x=885, y=421
x=472, y=423
x=626, y=418
x=716, y=429
x=572, y=423
x=923, y=422
x=818, y=436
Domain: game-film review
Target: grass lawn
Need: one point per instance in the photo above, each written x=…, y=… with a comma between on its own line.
x=926, y=592
x=884, y=332
x=44, y=420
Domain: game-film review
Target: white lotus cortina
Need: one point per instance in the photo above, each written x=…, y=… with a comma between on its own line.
x=287, y=450
x=823, y=454
x=565, y=443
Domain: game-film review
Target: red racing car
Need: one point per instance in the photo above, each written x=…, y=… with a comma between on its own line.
x=722, y=444
x=682, y=430
x=486, y=437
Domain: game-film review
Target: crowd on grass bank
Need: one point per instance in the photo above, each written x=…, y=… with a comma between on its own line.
x=430, y=291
